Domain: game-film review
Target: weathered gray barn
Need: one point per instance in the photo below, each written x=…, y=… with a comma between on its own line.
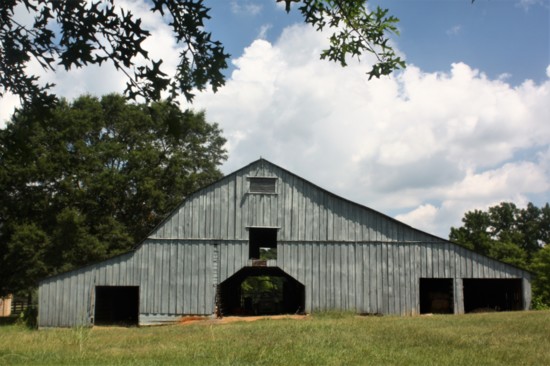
x=331, y=254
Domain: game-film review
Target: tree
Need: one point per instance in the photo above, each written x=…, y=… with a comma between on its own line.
x=474, y=234
x=88, y=179
x=24, y=257
x=505, y=223
x=77, y=33
x=541, y=283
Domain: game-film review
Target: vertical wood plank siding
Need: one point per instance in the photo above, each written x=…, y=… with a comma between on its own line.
x=301, y=210
x=346, y=255
x=380, y=277
x=174, y=277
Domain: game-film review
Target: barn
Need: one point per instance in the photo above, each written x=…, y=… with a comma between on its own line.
x=316, y=251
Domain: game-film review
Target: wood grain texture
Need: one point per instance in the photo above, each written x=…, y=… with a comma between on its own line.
x=348, y=256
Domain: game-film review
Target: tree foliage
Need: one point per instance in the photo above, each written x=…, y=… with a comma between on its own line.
x=77, y=33
x=519, y=236
x=88, y=179
x=357, y=32
x=541, y=284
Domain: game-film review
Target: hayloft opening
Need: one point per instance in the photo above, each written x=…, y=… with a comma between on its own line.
x=262, y=243
x=436, y=296
x=483, y=295
x=116, y=305
x=261, y=291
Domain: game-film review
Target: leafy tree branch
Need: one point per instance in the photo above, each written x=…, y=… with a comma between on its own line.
x=77, y=33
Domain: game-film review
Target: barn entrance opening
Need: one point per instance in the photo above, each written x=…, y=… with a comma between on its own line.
x=436, y=296
x=262, y=243
x=261, y=291
x=116, y=305
x=481, y=295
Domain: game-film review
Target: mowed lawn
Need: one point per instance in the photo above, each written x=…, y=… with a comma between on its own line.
x=514, y=338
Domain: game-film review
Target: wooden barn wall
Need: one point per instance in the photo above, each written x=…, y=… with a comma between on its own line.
x=67, y=299
x=381, y=277
x=179, y=277
x=302, y=211
x=347, y=256
x=174, y=277
x=232, y=257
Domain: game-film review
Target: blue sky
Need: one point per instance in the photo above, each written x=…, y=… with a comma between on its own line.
x=502, y=37
x=464, y=127
x=499, y=37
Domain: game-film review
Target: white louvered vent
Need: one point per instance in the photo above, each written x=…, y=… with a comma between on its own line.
x=266, y=185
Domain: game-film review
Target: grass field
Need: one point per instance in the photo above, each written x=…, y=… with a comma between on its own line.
x=515, y=338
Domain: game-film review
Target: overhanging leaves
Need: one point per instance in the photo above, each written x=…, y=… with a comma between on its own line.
x=77, y=33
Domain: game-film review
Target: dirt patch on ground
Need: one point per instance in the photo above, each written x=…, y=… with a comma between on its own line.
x=232, y=319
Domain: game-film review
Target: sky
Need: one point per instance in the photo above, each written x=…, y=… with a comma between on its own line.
x=465, y=126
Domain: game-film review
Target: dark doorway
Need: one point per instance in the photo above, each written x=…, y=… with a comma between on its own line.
x=262, y=243
x=116, y=305
x=261, y=291
x=436, y=296
x=481, y=295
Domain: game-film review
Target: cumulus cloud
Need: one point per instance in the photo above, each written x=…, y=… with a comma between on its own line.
x=454, y=30
x=424, y=216
x=424, y=147
x=262, y=34
x=245, y=7
x=8, y=102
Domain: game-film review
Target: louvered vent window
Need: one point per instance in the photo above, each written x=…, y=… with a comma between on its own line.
x=262, y=185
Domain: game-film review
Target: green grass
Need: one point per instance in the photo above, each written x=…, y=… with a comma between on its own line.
x=515, y=338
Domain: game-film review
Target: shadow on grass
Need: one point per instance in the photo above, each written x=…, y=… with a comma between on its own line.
x=8, y=320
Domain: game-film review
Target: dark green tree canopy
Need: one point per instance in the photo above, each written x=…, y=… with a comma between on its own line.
x=505, y=225
x=77, y=33
x=89, y=179
x=541, y=284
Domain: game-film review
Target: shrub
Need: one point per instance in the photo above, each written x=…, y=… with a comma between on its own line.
x=29, y=317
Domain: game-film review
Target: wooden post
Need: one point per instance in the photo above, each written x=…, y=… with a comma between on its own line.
x=458, y=296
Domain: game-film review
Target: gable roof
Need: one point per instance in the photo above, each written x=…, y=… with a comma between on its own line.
x=265, y=164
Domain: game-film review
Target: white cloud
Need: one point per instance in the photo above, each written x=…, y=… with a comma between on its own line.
x=518, y=177
x=426, y=146
x=512, y=182
x=7, y=104
x=245, y=7
x=423, y=216
x=454, y=30
x=262, y=34
x=527, y=4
